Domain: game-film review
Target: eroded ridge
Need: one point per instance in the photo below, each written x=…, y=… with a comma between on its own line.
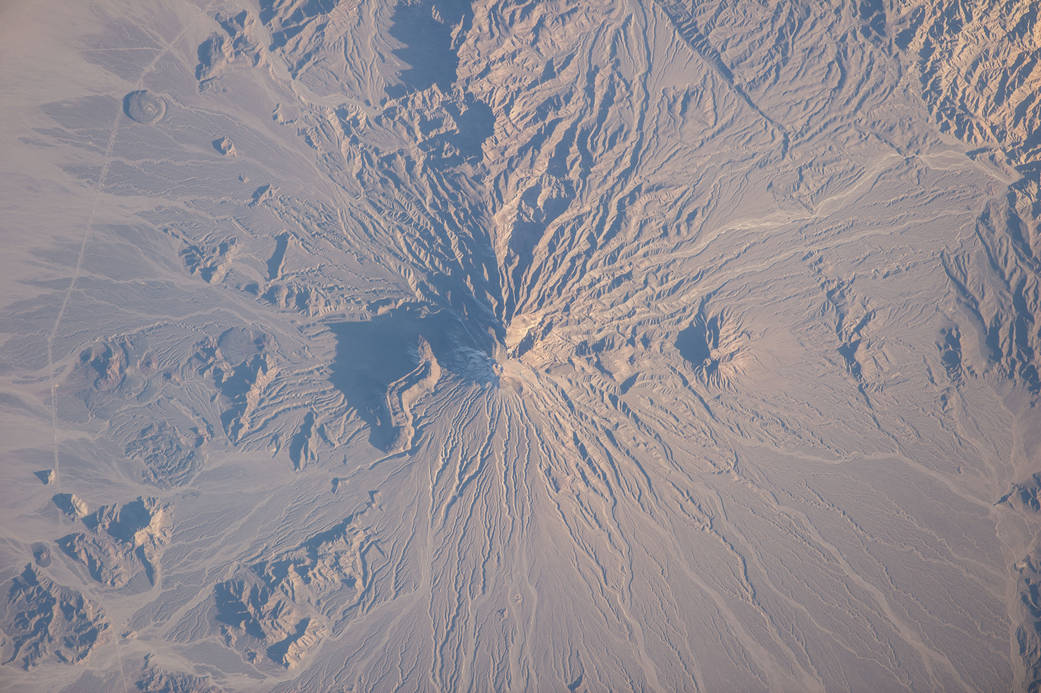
x=44, y=622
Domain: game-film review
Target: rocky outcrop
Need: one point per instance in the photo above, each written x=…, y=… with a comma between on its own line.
x=71, y=504
x=238, y=43
x=279, y=610
x=45, y=622
x=121, y=541
x=979, y=69
x=210, y=261
x=170, y=456
x=242, y=365
x=153, y=680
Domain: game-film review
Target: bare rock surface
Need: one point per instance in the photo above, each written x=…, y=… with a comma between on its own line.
x=156, y=680
x=280, y=610
x=121, y=541
x=224, y=146
x=43, y=622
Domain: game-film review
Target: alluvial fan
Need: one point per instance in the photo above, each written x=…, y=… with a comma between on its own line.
x=448, y=345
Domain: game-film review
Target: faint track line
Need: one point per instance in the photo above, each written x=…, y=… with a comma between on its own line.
x=689, y=31
x=99, y=186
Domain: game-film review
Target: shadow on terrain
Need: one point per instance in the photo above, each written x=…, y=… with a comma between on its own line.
x=425, y=29
x=372, y=355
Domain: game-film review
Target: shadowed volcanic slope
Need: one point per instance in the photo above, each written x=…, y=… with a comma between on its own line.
x=441, y=345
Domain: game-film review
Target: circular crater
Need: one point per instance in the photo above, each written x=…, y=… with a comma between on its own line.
x=41, y=554
x=144, y=107
x=717, y=347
